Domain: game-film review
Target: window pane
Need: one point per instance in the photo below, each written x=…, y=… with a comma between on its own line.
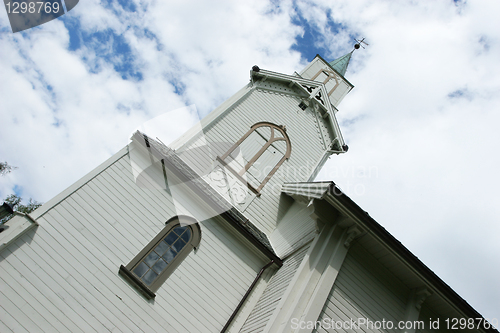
x=169, y=256
x=160, y=266
x=265, y=163
x=171, y=238
x=151, y=259
x=251, y=146
x=178, y=245
x=179, y=230
x=186, y=235
x=149, y=277
x=141, y=269
x=161, y=248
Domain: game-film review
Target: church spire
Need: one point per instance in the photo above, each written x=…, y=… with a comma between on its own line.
x=340, y=64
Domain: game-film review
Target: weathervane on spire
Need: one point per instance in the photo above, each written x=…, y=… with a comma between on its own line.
x=359, y=43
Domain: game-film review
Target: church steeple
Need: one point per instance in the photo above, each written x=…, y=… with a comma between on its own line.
x=340, y=64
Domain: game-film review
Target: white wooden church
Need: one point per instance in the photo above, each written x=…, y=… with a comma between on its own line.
x=225, y=230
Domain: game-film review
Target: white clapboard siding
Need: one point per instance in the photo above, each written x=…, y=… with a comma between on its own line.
x=364, y=289
x=63, y=275
x=294, y=230
x=13, y=325
x=265, y=307
x=45, y=297
x=279, y=108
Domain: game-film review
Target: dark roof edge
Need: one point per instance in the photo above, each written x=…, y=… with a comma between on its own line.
x=380, y=232
x=188, y=175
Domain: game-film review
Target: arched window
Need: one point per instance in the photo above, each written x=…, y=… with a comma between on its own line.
x=261, y=152
x=154, y=264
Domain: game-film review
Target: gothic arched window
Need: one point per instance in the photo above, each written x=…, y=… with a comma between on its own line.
x=154, y=264
x=258, y=154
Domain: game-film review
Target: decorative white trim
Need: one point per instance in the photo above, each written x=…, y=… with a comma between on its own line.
x=352, y=233
x=316, y=273
x=420, y=295
x=414, y=305
x=318, y=87
x=328, y=278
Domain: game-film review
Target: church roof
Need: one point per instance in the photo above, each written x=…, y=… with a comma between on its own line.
x=329, y=192
x=340, y=64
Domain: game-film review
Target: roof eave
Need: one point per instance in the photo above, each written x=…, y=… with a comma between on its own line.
x=340, y=201
x=299, y=80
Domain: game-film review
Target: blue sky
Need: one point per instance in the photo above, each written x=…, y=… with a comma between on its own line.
x=420, y=122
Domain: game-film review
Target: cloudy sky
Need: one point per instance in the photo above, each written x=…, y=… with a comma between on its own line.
x=421, y=122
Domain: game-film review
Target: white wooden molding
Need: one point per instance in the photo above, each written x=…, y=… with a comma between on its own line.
x=328, y=278
x=414, y=305
x=316, y=274
x=352, y=233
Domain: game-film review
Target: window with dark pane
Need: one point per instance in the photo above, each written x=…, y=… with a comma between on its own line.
x=152, y=266
x=156, y=261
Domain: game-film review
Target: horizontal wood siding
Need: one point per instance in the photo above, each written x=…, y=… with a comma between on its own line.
x=364, y=289
x=294, y=230
x=265, y=307
x=63, y=275
x=279, y=108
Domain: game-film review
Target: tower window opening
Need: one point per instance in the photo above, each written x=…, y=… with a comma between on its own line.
x=256, y=157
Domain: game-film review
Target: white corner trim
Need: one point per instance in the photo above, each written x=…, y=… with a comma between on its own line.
x=328, y=278
x=326, y=250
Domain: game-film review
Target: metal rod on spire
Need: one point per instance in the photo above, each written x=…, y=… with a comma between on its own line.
x=359, y=43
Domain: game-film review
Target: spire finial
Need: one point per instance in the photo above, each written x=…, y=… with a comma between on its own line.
x=359, y=43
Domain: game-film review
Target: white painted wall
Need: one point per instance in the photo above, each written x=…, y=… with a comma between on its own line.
x=278, y=104
x=364, y=289
x=62, y=276
x=268, y=302
x=295, y=229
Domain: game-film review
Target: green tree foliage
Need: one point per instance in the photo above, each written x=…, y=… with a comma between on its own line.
x=5, y=168
x=17, y=206
x=14, y=200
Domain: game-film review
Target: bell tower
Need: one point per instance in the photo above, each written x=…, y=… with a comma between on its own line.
x=277, y=129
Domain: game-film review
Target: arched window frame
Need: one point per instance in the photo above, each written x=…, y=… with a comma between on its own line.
x=149, y=290
x=272, y=139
